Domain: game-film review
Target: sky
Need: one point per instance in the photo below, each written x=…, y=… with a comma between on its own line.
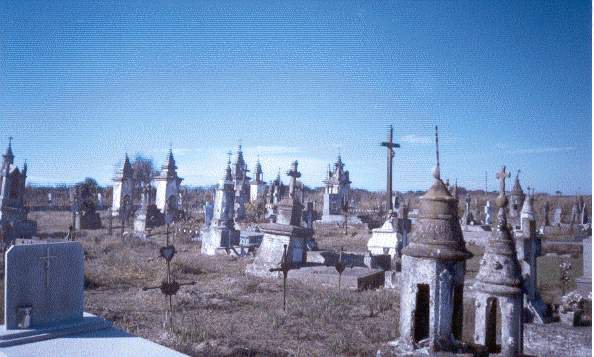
x=507, y=82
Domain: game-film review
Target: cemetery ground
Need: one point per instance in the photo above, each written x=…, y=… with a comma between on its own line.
x=227, y=313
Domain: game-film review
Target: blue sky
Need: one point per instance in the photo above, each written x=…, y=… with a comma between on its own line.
x=507, y=82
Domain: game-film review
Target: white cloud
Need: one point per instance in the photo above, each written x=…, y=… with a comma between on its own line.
x=534, y=151
x=416, y=139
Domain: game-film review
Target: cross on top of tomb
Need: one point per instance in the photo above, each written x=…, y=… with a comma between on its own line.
x=294, y=174
x=501, y=200
x=501, y=176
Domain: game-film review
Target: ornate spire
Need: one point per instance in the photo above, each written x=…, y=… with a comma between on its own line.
x=228, y=177
x=517, y=189
x=9, y=156
x=499, y=271
x=170, y=166
x=438, y=234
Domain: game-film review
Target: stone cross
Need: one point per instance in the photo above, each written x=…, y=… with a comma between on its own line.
x=390, y=145
x=501, y=176
x=294, y=174
x=47, y=259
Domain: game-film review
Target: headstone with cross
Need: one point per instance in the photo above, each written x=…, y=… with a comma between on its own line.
x=46, y=281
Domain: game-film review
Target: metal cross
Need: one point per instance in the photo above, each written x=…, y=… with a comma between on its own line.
x=501, y=176
x=47, y=264
x=340, y=266
x=285, y=266
x=390, y=145
x=169, y=286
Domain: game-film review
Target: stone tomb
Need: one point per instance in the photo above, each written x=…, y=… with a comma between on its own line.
x=43, y=308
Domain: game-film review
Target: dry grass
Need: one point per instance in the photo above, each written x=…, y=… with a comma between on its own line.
x=230, y=314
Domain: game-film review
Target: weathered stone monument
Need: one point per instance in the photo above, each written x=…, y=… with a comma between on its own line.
x=140, y=215
x=545, y=214
x=89, y=217
x=528, y=248
x=13, y=212
x=241, y=184
x=388, y=239
x=258, y=185
x=337, y=186
x=516, y=202
x=498, y=287
x=123, y=187
x=222, y=233
x=432, y=278
x=468, y=217
x=286, y=231
x=168, y=184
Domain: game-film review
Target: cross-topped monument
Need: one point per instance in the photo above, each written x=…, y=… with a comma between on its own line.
x=46, y=260
x=501, y=200
x=390, y=145
x=294, y=174
x=501, y=176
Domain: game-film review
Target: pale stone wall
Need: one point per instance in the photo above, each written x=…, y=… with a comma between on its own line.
x=417, y=271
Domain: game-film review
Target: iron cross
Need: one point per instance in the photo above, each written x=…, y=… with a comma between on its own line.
x=340, y=266
x=47, y=258
x=285, y=266
x=390, y=145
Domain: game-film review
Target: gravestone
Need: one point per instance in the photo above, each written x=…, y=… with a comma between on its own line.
x=488, y=214
x=89, y=217
x=140, y=216
x=43, y=308
x=47, y=278
x=287, y=234
x=557, y=216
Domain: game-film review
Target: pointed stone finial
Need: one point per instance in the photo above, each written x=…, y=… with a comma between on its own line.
x=436, y=171
x=229, y=153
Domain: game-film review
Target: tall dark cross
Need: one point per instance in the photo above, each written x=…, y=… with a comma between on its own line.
x=390, y=145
